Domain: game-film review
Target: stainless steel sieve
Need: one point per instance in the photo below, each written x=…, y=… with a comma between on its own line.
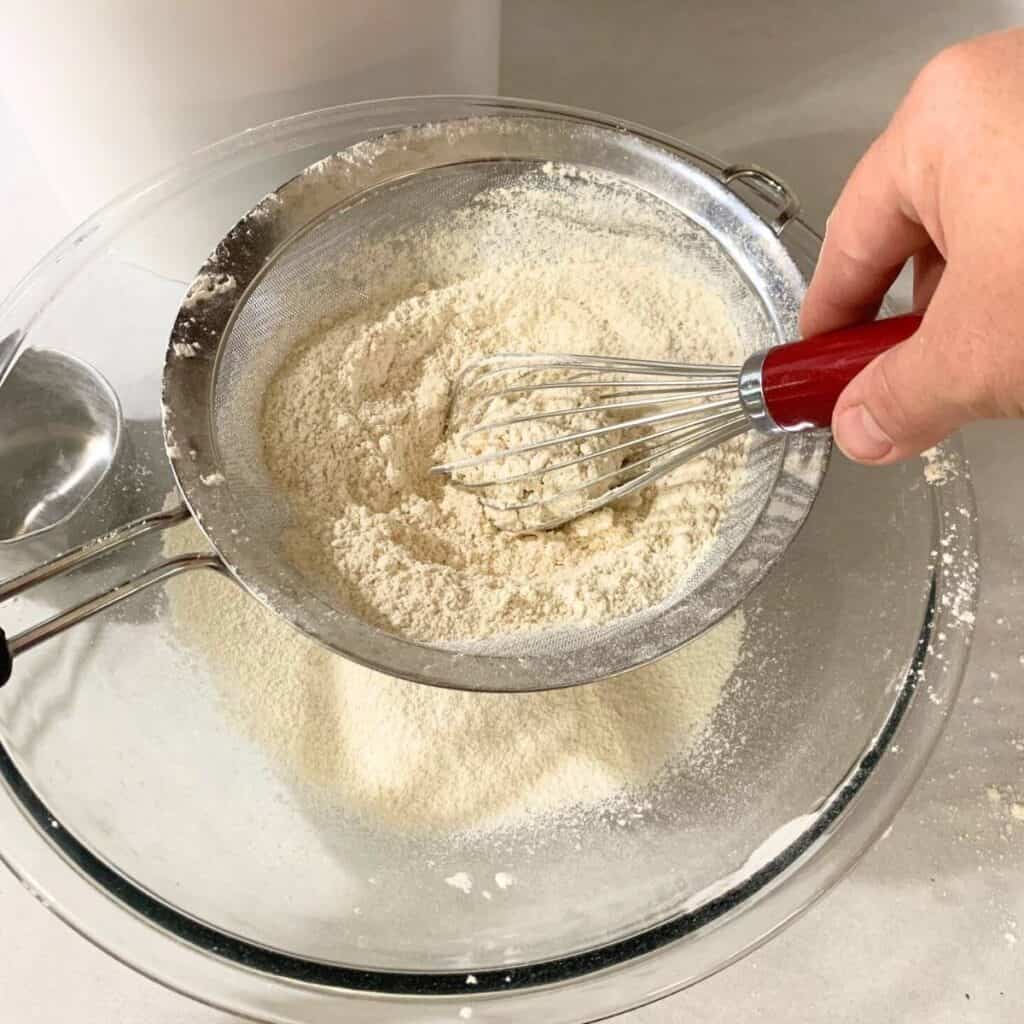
x=294, y=261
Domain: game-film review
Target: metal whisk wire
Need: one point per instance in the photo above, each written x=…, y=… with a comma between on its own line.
x=656, y=416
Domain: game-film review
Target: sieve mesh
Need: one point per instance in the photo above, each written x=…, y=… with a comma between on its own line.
x=312, y=271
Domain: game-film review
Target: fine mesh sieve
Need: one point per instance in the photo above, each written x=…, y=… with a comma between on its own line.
x=299, y=259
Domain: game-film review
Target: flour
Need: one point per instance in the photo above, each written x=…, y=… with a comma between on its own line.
x=206, y=287
x=938, y=468
x=355, y=418
x=416, y=758
x=563, y=492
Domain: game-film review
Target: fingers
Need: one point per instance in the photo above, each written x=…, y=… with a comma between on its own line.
x=920, y=392
x=870, y=236
x=928, y=269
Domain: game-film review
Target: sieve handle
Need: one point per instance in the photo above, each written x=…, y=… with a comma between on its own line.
x=800, y=383
x=12, y=646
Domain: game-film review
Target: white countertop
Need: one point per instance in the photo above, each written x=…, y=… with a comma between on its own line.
x=927, y=927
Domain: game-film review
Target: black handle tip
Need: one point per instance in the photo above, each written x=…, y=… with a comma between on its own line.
x=6, y=660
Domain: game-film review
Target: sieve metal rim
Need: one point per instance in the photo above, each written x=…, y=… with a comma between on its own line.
x=338, y=181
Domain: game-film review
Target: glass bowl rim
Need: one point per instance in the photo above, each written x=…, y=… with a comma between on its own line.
x=138, y=930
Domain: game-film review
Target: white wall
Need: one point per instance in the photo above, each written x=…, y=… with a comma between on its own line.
x=95, y=97
x=801, y=86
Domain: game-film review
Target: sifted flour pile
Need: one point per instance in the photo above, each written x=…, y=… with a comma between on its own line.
x=423, y=759
x=355, y=417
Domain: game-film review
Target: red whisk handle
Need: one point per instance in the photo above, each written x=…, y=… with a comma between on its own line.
x=800, y=383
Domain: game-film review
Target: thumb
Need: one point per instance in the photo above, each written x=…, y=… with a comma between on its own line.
x=918, y=393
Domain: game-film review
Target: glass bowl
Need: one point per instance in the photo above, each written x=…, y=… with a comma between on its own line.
x=135, y=809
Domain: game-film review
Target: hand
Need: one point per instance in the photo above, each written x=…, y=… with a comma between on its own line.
x=944, y=186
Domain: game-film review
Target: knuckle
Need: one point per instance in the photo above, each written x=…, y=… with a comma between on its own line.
x=947, y=89
x=951, y=73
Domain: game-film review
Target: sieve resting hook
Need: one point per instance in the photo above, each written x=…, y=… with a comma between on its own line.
x=769, y=188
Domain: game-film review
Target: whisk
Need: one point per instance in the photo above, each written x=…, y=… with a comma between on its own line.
x=544, y=439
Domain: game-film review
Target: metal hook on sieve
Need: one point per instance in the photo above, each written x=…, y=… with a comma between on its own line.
x=768, y=187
